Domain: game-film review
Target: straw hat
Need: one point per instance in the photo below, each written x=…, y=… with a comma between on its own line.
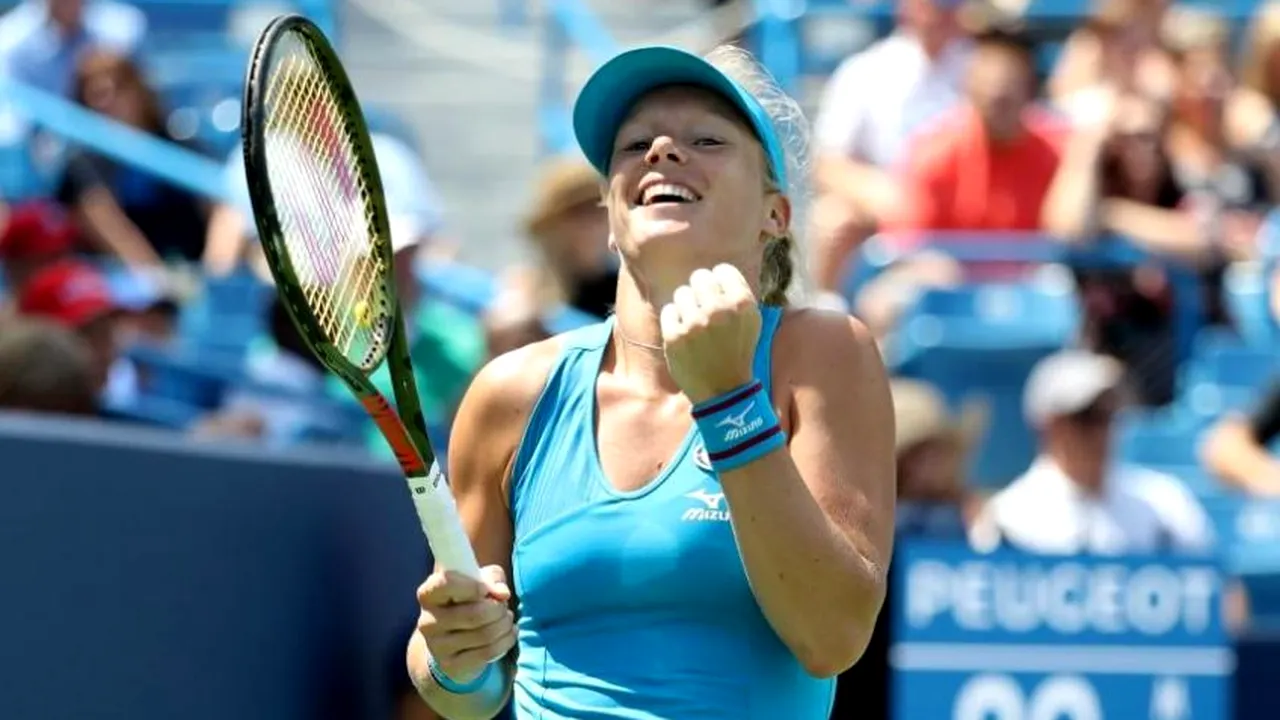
x=921, y=413
x=563, y=184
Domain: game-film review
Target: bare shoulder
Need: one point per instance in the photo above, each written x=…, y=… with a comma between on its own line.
x=813, y=343
x=494, y=411
x=506, y=388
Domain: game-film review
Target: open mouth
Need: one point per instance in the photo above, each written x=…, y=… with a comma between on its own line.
x=666, y=193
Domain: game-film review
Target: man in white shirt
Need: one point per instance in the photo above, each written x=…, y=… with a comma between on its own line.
x=870, y=107
x=41, y=40
x=1074, y=499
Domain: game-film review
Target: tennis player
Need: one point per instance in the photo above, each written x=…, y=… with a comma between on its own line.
x=693, y=500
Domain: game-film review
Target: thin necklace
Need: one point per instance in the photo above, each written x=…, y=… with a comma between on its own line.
x=628, y=340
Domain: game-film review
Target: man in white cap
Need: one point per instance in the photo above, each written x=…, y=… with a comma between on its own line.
x=1073, y=498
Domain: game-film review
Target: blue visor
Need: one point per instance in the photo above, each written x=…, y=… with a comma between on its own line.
x=607, y=99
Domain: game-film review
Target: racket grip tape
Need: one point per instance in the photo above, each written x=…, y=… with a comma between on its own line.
x=438, y=513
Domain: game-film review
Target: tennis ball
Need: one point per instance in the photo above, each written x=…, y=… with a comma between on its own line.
x=363, y=313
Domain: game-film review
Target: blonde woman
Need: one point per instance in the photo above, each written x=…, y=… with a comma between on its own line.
x=694, y=499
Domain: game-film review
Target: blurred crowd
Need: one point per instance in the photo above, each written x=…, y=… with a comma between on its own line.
x=1149, y=120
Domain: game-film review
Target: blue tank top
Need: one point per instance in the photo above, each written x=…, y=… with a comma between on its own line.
x=635, y=605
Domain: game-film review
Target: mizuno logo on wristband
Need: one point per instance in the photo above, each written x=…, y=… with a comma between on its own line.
x=738, y=424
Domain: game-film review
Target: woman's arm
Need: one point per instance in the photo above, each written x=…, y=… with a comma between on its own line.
x=1075, y=209
x=95, y=209
x=1235, y=449
x=1078, y=64
x=225, y=240
x=814, y=522
x=482, y=448
x=1070, y=210
x=1171, y=233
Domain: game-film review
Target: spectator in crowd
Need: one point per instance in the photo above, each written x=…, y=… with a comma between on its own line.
x=1260, y=61
x=932, y=447
x=1236, y=448
x=35, y=234
x=76, y=296
x=41, y=41
x=987, y=165
x=570, y=228
x=1224, y=157
x=1116, y=177
x=1074, y=498
x=1120, y=47
x=46, y=368
x=871, y=105
x=124, y=211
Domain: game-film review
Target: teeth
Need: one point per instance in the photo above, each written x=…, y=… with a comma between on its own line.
x=655, y=191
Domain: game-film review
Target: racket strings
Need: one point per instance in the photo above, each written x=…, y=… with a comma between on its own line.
x=326, y=221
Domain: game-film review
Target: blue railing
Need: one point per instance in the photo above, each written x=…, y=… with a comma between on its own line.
x=169, y=161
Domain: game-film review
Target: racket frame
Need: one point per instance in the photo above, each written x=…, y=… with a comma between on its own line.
x=409, y=440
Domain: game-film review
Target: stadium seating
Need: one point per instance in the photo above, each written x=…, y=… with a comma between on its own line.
x=983, y=341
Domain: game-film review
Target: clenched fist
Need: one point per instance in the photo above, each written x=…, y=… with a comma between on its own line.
x=709, y=332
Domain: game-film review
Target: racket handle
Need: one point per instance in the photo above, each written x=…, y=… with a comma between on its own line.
x=438, y=514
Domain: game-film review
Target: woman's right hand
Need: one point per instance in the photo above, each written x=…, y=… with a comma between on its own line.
x=466, y=623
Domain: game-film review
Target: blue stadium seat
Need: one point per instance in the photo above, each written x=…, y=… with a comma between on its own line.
x=181, y=375
x=1222, y=359
x=205, y=111
x=1245, y=293
x=154, y=411
x=1166, y=439
x=983, y=341
x=1248, y=532
x=227, y=316
x=18, y=177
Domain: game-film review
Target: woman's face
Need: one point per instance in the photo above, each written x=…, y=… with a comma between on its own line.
x=688, y=187
x=114, y=96
x=1136, y=144
x=1205, y=81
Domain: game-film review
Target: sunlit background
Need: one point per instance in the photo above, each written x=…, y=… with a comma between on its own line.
x=196, y=521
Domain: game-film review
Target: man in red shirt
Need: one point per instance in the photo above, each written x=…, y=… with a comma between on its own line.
x=985, y=168
x=987, y=165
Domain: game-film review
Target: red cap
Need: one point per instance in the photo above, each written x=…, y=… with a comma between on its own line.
x=68, y=292
x=36, y=229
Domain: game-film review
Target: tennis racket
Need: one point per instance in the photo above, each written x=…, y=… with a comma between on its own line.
x=322, y=220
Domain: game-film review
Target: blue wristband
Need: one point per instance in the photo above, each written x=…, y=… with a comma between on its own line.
x=454, y=686
x=738, y=427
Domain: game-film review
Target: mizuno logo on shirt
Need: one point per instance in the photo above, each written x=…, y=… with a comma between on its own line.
x=711, y=508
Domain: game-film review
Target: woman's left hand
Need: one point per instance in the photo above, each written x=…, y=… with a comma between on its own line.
x=709, y=332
